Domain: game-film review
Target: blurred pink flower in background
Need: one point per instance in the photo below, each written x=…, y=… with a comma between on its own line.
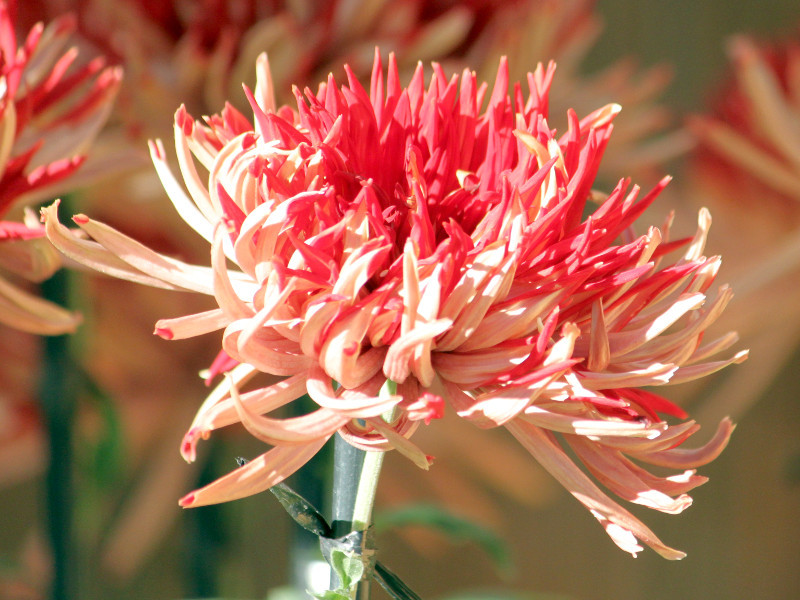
x=198, y=54
x=406, y=234
x=50, y=111
x=49, y=114
x=747, y=167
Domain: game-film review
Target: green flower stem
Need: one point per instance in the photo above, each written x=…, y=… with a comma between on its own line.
x=367, y=486
x=355, y=482
x=347, y=464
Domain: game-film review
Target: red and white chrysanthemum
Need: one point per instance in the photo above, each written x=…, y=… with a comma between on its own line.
x=445, y=239
x=49, y=113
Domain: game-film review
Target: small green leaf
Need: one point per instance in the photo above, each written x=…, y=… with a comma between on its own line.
x=452, y=526
x=331, y=595
x=348, y=567
x=393, y=585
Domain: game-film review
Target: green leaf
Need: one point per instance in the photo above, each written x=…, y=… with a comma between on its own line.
x=331, y=595
x=393, y=585
x=454, y=527
x=301, y=510
x=349, y=568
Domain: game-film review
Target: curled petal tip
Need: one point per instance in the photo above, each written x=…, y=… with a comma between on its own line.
x=163, y=332
x=156, y=149
x=189, y=445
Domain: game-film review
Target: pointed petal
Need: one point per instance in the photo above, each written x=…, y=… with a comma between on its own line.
x=258, y=475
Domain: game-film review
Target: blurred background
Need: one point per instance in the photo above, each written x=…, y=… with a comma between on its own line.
x=90, y=424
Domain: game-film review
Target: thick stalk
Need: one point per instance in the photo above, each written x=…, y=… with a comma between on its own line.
x=355, y=481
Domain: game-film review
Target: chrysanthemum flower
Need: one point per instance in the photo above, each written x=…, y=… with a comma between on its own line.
x=49, y=113
x=747, y=167
x=412, y=236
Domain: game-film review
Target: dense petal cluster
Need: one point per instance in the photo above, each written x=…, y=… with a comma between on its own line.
x=49, y=113
x=401, y=251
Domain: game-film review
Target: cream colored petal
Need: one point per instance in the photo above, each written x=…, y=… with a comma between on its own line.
x=227, y=297
x=180, y=328
x=471, y=316
x=548, y=417
x=670, y=437
x=358, y=268
x=265, y=88
x=34, y=259
x=623, y=528
x=609, y=469
x=599, y=349
x=220, y=410
x=650, y=374
x=626, y=341
x=342, y=355
x=258, y=475
x=197, y=189
x=92, y=254
x=482, y=267
x=696, y=248
x=512, y=321
x=265, y=351
x=482, y=280
x=397, y=364
x=692, y=372
x=474, y=368
x=320, y=388
x=187, y=209
x=169, y=270
x=402, y=444
x=289, y=431
x=689, y=458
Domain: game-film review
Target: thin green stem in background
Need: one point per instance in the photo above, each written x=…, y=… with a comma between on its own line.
x=58, y=400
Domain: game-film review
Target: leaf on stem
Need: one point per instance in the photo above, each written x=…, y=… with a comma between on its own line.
x=300, y=509
x=393, y=585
